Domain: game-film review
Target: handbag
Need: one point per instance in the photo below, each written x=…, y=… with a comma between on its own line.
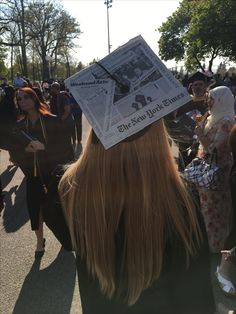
x=226, y=272
x=205, y=172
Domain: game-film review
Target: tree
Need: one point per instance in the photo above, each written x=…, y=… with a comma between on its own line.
x=37, y=31
x=52, y=29
x=199, y=30
x=12, y=21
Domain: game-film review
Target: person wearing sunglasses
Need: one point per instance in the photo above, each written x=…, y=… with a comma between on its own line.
x=40, y=156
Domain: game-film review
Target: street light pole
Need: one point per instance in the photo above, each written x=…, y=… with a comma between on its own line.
x=108, y=3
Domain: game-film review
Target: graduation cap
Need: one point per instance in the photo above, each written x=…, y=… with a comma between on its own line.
x=199, y=76
x=117, y=103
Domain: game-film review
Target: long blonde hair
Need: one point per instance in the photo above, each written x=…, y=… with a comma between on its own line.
x=135, y=183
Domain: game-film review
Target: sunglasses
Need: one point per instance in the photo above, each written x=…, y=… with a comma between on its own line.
x=23, y=97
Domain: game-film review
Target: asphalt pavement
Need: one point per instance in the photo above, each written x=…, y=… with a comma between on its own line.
x=49, y=285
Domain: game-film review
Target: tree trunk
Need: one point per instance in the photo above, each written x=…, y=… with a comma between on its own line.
x=39, y=74
x=210, y=65
x=67, y=66
x=12, y=57
x=23, y=45
x=199, y=64
x=54, y=68
x=213, y=56
x=45, y=69
x=45, y=64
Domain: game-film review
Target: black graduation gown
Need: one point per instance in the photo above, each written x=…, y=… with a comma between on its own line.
x=178, y=290
x=199, y=105
x=7, y=120
x=56, y=152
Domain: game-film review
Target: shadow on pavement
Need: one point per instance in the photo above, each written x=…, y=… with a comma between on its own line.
x=15, y=214
x=7, y=175
x=49, y=290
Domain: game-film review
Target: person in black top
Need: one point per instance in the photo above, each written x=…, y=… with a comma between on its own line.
x=8, y=114
x=60, y=106
x=140, y=242
x=197, y=85
x=181, y=123
x=37, y=153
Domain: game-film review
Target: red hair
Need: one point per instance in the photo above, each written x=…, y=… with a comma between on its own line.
x=39, y=106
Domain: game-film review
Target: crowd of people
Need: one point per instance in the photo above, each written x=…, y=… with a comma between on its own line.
x=30, y=126
x=141, y=233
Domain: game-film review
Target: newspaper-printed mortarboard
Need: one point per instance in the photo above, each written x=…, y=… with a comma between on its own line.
x=126, y=91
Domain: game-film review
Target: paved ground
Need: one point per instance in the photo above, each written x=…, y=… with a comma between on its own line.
x=33, y=287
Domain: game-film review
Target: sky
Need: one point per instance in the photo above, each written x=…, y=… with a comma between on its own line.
x=127, y=19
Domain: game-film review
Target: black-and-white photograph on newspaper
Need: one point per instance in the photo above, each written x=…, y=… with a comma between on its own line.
x=126, y=91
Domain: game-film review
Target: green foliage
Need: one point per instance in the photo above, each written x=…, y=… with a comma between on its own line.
x=200, y=29
x=36, y=31
x=171, y=43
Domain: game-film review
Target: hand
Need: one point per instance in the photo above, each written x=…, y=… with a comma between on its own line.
x=198, y=130
x=201, y=119
x=198, y=119
x=34, y=146
x=225, y=254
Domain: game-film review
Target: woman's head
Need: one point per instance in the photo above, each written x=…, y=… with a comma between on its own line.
x=221, y=101
x=28, y=100
x=37, y=84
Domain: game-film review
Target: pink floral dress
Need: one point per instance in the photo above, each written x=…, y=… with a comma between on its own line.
x=216, y=205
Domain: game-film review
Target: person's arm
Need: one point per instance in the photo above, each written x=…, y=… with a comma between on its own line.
x=220, y=141
x=18, y=138
x=66, y=106
x=34, y=146
x=199, y=131
x=67, y=111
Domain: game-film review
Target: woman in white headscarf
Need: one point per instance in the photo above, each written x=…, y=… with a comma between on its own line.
x=213, y=133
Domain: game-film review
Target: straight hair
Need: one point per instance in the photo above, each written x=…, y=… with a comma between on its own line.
x=135, y=184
